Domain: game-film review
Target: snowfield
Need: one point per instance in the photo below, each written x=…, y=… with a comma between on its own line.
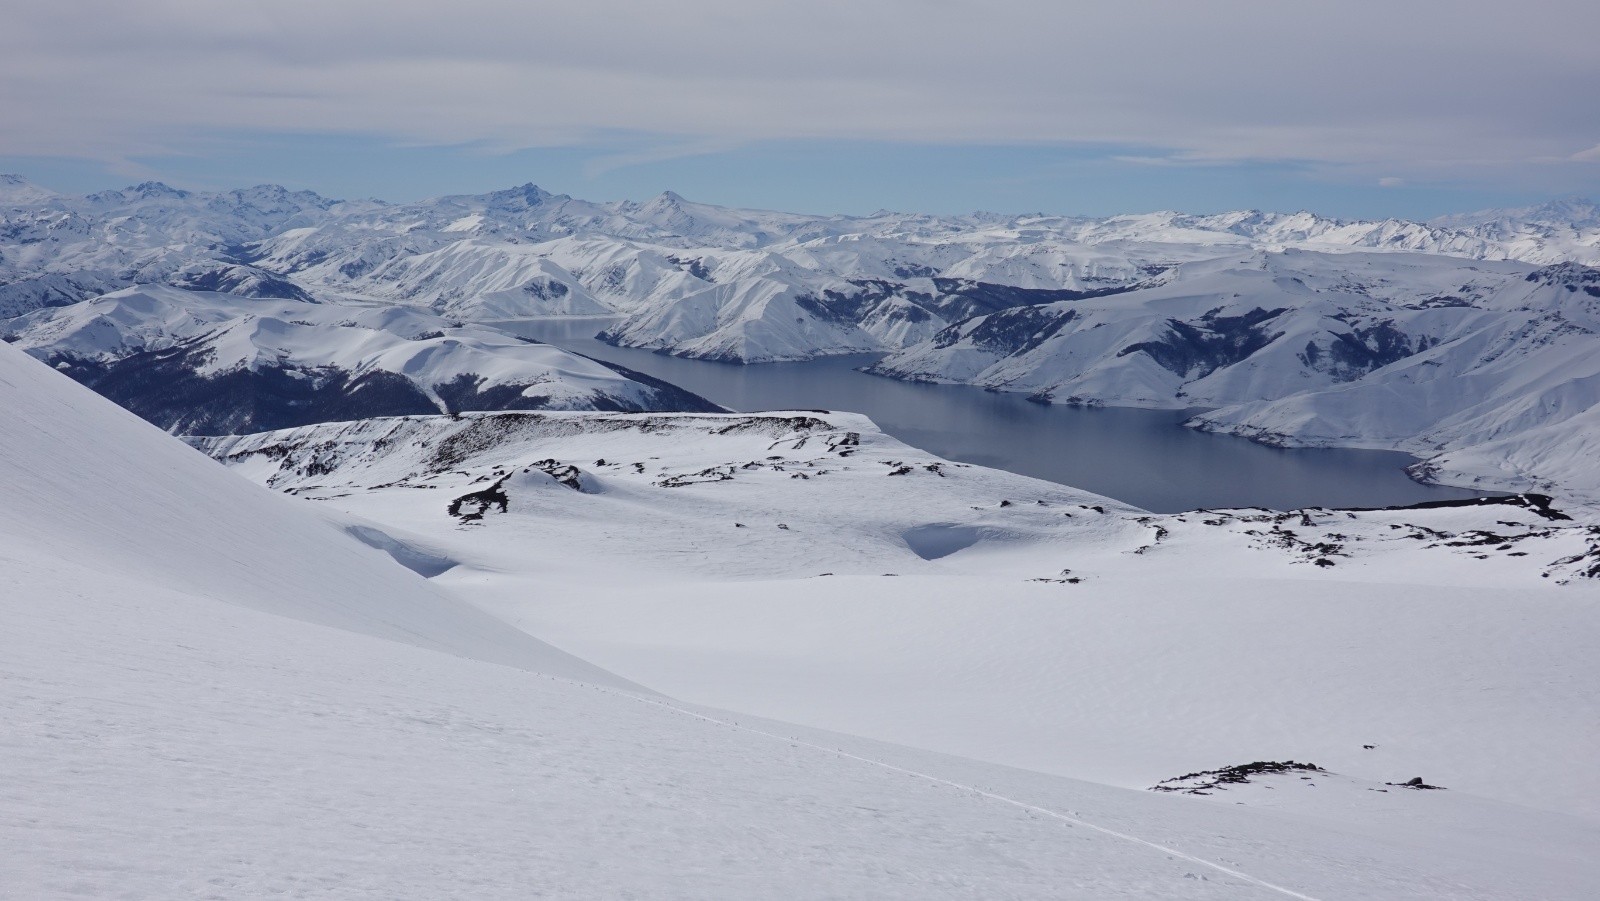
x=212, y=691
x=805, y=568
x=860, y=585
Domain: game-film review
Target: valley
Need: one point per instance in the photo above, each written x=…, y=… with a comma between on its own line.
x=1466, y=342
x=1144, y=457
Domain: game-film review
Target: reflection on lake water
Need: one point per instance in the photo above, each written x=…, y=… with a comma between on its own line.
x=1143, y=457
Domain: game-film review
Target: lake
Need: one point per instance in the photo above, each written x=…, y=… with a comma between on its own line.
x=1142, y=457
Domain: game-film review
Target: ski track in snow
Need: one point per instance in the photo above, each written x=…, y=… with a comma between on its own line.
x=972, y=789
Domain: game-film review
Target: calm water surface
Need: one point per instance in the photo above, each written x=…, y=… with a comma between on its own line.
x=1143, y=457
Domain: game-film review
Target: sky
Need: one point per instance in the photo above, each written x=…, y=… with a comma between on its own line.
x=1410, y=108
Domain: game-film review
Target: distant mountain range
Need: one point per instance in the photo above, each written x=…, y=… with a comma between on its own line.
x=1468, y=340
x=526, y=251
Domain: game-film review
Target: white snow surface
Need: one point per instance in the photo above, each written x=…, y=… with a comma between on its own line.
x=806, y=568
x=212, y=691
x=231, y=333
x=93, y=492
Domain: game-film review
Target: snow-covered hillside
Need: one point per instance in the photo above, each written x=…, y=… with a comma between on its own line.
x=214, y=691
x=1565, y=229
x=57, y=249
x=206, y=363
x=1488, y=369
x=803, y=566
x=103, y=510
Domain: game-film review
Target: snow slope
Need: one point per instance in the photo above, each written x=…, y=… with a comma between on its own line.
x=214, y=363
x=1489, y=363
x=805, y=567
x=213, y=691
x=1510, y=406
x=95, y=496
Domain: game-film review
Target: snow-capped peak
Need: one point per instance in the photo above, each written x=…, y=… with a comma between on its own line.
x=522, y=197
x=16, y=190
x=154, y=189
x=1572, y=211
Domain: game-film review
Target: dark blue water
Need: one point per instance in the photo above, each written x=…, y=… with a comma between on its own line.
x=1143, y=457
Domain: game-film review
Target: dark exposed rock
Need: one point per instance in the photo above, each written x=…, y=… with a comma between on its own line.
x=546, y=290
x=244, y=282
x=713, y=474
x=694, y=267
x=1541, y=504
x=480, y=433
x=1574, y=277
x=1203, y=782
x=774, y=425
x=1193, y=350
x=53, y=290
x=564, y=473
x=1010, y=332
x=165, y=388
x=1415, y=782
x=472, y=507
x=959, y=299
x=1354, y=353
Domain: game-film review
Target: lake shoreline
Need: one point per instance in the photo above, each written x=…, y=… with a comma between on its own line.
x=1142, y=456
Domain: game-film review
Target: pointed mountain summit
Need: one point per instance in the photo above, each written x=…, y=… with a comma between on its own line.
x=526, y=196
x=150, y=190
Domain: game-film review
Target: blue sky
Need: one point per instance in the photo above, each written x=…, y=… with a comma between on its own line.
x=1363, y=108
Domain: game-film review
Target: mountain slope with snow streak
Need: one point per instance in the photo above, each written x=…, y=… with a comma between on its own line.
x=208, y=363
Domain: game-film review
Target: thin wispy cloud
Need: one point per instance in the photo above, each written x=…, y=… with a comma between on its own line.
x=1173, y=160
x=611, y=162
